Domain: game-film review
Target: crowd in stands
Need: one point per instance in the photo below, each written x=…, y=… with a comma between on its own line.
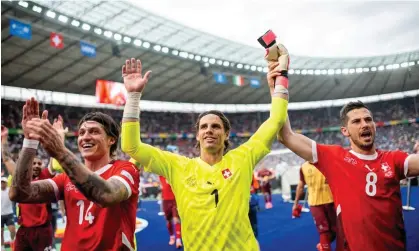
x=389, y=137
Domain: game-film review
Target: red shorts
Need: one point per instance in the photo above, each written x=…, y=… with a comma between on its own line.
x=170, y=209
x=34, y=238
x=324, y=218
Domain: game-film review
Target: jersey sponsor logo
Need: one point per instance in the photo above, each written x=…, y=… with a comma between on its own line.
x=226, y=173
x=350, y=160
x=140, y=224
x=71, y=186
x=387, y=170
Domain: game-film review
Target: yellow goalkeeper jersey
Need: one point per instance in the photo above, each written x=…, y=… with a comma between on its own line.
x=213, y=201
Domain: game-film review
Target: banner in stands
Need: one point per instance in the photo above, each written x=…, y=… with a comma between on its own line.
x=109, y=92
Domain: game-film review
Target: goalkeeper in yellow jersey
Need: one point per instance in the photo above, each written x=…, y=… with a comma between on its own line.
x=212, y=191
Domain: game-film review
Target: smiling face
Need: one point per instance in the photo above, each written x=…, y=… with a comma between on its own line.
x=93, y=142
x=36, y=167
x=360, y=128
x=212, y=133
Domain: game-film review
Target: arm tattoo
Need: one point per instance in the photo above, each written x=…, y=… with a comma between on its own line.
x=22, y=190
x=94, y=187
x=5, y=151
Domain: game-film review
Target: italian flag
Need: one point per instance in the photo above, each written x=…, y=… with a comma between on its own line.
x=238, y=80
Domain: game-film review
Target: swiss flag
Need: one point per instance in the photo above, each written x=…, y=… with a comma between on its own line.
x=56, y=40
x=226, y=173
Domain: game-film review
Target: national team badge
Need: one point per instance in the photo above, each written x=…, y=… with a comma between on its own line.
x=386, y=169
x=226, y=173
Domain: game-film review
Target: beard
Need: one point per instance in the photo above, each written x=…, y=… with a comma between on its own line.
x=365, y=145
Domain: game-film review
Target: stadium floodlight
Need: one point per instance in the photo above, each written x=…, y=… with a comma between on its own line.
x=76, y=23
x=62, y=18
x=247, y=67
x=50, y=14
x=226, y=63
x=205, y=59
x=108, y=33
x=259, y=69
x=240, y=66
x=146, y=45
x=127, y=39
x=198, y=58
x=381, y=67
x=345, y=71
x=412, y=63
x=37, y=9
x=338, y=71
x=351, y=71
x=389, y=67
x=212, y=60
x=23, y=4
x=330, y=71
x=417, y=62
x=297, y=72
x=253, y=68
x=317, y=72
x=291, y=71
x=206, y=64
x=324, y=72
x=396, y=66
x=191, y=56
x=365, y=69
x=165, y=50
x=138, y=42
x=404, y=64
x=310, y=72
x=304, y=72
x=183, y=54
x=86, y=27
x=175, y=52
x=265, y=69
x=358, y=70
x=373, y=68
x=219, y=62
x=157, y=47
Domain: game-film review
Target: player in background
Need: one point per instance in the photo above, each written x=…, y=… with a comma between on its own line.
x=7, y=215
x=100, y=195
x=265, y=177
x=171, y=213
x=365, y=181
x=320, y=200
x=212, y=191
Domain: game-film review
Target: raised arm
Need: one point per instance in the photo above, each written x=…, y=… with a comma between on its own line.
x=5, y=152
x=152, y=158
x=298, y=143
x=95, y=188
x=22, y=189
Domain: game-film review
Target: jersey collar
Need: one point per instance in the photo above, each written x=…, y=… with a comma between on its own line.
x=364, y=156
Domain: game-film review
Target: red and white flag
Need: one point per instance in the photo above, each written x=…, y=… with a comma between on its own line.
x=226, y=173
x=56, y=40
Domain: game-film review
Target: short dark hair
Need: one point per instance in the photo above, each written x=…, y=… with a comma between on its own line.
x=111, y=128
x=349, y=107
x=224, y=119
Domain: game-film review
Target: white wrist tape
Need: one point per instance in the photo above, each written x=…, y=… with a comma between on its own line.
x=280, y=89
x=30, y=143
x=132, y=106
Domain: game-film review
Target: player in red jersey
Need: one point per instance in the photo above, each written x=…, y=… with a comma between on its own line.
x=100, y=195
x=364, y=181
x=171, y=213
x=265, y=177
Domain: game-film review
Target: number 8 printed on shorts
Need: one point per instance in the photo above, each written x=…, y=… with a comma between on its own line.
x=370, y=187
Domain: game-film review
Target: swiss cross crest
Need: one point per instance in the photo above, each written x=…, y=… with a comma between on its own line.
x=386, y=169
x=227, y=173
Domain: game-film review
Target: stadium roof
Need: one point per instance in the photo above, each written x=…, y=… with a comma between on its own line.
x=35, y=64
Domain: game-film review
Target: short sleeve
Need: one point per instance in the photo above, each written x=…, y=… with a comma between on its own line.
x=58, y=182
x=323, y=156
x=302, y=175
x=401, y=164
x=129, y=175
